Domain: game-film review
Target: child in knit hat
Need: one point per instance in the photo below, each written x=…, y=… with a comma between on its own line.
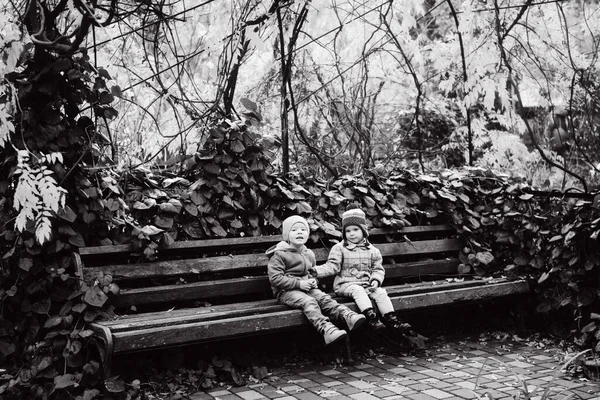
x=359, y=273
x=292, y=284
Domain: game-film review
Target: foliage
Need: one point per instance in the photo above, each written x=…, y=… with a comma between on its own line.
x=45, y=307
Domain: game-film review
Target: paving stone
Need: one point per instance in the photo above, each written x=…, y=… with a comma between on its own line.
x=359, y=374
x=292, y=389
x=362, y=385
x=381, y=393
x=307, y=396
x=451, y=364
x=458, y=374
x=229, y=397
x=520, y=364
x=399, y=370
x=433, y=373
x=372, y=378
x=363, y=396
x=466, y=385
x=416, y=376
x=420, y=396
x=437, y=393
x=307, y=384
x=348, y=390
x=420, y=387
x=200, y=396
x=250, y=395
x=396, y=388
x=330, y=372
x=333, y=383
x=463, y=393
x=219, y=393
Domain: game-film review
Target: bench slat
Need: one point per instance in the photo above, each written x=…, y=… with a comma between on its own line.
x=260, y=284
x=254, y=240
x=183, y=316
x=226, y=328
x=245, y=261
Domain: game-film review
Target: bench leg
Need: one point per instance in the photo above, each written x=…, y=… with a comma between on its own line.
x=105, y=349
x=348, y=356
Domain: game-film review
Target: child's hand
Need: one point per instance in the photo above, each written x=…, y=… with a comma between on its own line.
x=375, y=284
x=305, y=286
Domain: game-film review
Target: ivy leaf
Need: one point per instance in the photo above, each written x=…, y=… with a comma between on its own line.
x=63, y=381
x=249, y=104
x=586, y=297
x=260, y=373
x=150, y=230
x=114, y=385
x=94, y=296
x=138, y=205
x=212, y=168
x=218, y=230
x=6, y=348
x=25, y=263
x=41, y=307
x=463, y=269
x=368, y=201
x=237, y=377
x=191, y=209
x=485, y=257
x=77, y=240
x=591, y=327
x=543, y=277
x=52, y=322
x=66, y=213
x=237, y=146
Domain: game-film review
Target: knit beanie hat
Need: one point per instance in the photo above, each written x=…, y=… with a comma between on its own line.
x=291, y=221
x=355, y=216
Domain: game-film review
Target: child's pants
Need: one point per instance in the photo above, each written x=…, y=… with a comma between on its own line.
x=316, y=305
x=362, y=297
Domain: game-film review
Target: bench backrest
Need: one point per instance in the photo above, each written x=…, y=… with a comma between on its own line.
x=234, y=269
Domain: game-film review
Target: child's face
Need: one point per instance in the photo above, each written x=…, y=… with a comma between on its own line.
x=353, y=234
x=298, y=234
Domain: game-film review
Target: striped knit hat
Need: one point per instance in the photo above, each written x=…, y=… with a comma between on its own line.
x=355, y=216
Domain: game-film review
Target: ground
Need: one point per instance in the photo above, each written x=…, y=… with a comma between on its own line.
x=468, y=356
x=460, y=368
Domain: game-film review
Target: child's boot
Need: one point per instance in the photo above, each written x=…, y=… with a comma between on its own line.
x=394, y=323
x=372, y=319
x=332, y=334
x=353, y=320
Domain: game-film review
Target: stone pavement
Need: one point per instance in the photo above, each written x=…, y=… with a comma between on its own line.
x=483, y=367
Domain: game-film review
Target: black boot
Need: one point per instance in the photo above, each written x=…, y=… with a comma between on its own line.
x=372, y=319
x=394, y=323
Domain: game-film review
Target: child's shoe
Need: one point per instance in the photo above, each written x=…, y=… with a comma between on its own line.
x=331, y=334
x=372, y=319
x=354, y=320
x=393, y=322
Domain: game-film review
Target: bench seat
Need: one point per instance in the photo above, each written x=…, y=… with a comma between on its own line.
x=217, y=289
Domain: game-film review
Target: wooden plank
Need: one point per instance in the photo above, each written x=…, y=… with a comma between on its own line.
x=253, y=240
x=260, y=284
x=245, y=261
x=193, y=291
x=175, y=317
x=139, y=339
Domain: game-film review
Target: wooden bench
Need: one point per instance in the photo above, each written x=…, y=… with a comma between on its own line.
x=216, y=289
